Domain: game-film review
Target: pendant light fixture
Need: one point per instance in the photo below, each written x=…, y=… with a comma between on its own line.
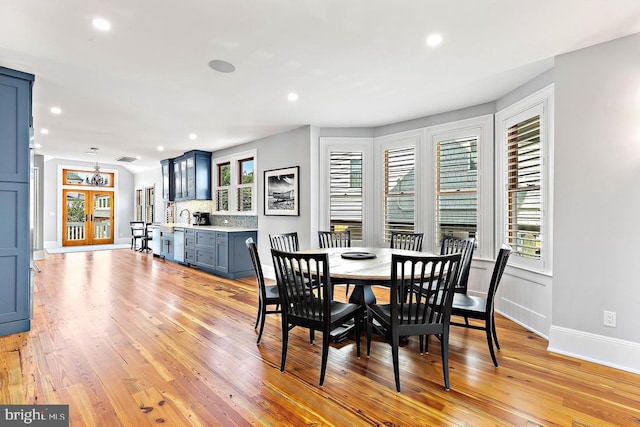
x=97, y=180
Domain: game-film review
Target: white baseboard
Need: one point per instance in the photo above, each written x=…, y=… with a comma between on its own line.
x=607, y=351
x=524, y=325
x=53, y=244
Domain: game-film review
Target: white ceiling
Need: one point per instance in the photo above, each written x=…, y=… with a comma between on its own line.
x=354, y=63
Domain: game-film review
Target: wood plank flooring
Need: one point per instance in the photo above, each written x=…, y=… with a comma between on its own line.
x=127, y=339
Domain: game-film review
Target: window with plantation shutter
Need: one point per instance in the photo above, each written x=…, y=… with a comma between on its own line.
x=345, y=192
x=457, y=188
x=399, y=190
x=235, y=183
x=149, y=199
x=224, y=183
x=523, y=188
x=138, y=205
x=245, y=184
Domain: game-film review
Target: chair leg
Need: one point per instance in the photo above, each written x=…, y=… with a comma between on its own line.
x=493, y=330
x=395, y=343
x=369, y=320
x=357, y=325
x=326, y=337
x=444, y=345
x=263, y=317
x=421, y=344
x=312, y=336
x=285, y=342
x=488, y=330
x=260, y=308
x=346, y=292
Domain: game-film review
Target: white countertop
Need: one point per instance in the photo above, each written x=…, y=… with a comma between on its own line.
x=206, y=227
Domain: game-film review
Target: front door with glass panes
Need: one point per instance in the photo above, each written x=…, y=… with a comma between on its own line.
x=87, y=217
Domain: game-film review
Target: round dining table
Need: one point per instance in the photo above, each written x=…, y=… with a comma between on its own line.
x=362, y=267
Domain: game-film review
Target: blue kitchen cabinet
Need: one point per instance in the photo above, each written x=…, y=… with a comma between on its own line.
x=15, y=269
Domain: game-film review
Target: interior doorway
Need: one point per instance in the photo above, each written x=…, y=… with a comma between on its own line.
x=87, y=217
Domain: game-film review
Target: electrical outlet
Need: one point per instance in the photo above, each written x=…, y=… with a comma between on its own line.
x=610, y=318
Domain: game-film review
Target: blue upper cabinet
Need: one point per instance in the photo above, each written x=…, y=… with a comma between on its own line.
x=192, y=176
x=15, y=120
x=168, y=191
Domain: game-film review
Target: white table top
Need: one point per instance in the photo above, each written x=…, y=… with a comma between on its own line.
x=376, y=270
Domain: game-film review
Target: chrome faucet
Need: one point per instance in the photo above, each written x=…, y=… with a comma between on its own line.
x=188, y=215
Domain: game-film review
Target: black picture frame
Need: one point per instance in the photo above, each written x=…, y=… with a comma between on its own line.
x=282, y=192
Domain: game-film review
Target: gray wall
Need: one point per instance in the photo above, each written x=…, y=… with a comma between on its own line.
x=151, y=178
x=124, y=199
x=292, y=148
x=437, y=119
x=597, y=191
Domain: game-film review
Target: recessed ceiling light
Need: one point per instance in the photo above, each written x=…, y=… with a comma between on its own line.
x=434, y=40
x=293, y=97
x=44, y=131
x=160, y=148
x=56, y=110
x=138, y=157
x=38, y=145
x=193, y=136
x=101, y=24
x=222, y=66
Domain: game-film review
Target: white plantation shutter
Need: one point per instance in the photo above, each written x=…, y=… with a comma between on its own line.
x=149, y=201
x=223, y=187
x=399, y=190
x=524, y=175
x=457, y=188
x=246, y=184
x=345, y=192
x=138, y=205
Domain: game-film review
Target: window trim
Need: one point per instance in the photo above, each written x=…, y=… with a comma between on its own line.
x=482, y=128
x=358, y=144
x=542, y=103
x=412, y=138
x=240, y=185
x=234, y=162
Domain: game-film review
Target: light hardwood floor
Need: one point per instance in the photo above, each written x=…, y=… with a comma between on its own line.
x=128, y=339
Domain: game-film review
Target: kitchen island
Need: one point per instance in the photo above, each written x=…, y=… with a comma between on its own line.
x=216, y=249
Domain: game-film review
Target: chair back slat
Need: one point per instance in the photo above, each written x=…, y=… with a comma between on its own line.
x=138, y=228
x=422, y=289
x=451, y=245
x=408, y=241
x=304, y=284
x=496, y=276
x=334, y=239
x=255, y=260
x=287, y=242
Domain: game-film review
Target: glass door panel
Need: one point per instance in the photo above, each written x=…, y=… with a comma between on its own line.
x=75, y=218
x=88, y=217
x=102, y=217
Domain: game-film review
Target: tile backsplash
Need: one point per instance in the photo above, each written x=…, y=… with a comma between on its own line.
x=207, y=206
x=235, y=221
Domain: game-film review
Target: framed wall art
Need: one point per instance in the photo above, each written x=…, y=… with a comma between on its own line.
x=281, y=192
